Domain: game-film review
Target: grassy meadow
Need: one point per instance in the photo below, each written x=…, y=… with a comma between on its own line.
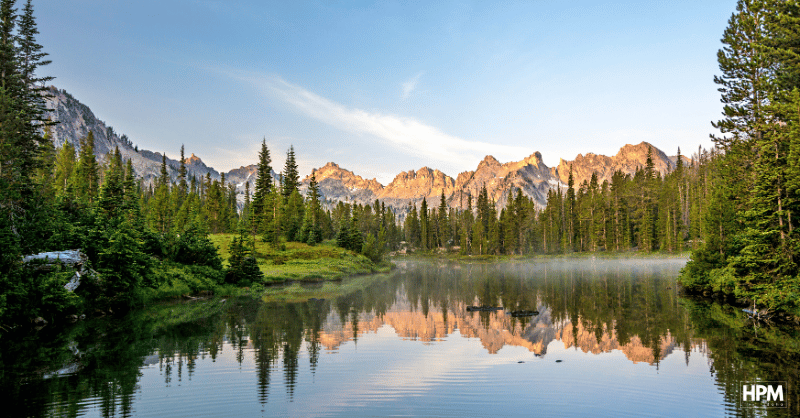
x=295, y=261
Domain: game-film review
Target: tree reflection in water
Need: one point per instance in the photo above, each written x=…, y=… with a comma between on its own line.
x=596, y=307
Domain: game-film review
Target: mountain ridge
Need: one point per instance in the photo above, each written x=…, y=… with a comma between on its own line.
x=337, y=184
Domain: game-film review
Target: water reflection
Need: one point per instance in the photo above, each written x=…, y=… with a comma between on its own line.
x=597, y=307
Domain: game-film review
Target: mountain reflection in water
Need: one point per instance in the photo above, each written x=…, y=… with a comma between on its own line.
x=111, y=366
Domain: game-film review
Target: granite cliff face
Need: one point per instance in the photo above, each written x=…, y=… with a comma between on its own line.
x=410, y=187
x=76, y=120
x=530, y=175
x=337, y=184
x=628, y=160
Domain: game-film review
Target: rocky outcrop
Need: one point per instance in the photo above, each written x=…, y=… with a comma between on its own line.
x=529, y=175
x=629, y=159
x=410, y=187
x=337, y=184
x=75, y=120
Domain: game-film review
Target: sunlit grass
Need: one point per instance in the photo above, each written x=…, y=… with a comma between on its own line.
x=294, y=261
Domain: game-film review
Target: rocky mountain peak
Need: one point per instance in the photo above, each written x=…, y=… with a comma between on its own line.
x=193, y=159
x=534, y=159
x=338, y=184
x=329, y=167
x=628, y=159
x=414, y=185
x=489, y=161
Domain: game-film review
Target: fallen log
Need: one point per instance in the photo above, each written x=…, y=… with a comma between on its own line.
x=484, y=308
x=48, y=261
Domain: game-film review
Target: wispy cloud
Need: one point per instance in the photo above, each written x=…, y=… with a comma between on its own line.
x=405, y=133
x=410, y=85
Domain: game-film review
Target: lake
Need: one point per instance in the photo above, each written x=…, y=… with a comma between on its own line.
x=593, y=337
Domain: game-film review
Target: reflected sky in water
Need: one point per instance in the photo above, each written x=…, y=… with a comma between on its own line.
x=612, y=338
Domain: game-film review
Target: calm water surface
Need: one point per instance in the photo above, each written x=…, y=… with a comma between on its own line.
x=611, y=338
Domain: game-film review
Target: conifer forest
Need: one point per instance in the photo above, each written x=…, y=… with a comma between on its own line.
x=735, y=207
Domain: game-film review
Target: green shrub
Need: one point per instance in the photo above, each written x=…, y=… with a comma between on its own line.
x=194, y=248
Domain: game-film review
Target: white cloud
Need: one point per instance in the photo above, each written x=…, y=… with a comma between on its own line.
x=410, y=85
x=405, y=133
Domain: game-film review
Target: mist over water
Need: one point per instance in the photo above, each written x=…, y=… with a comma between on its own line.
x=609, y=337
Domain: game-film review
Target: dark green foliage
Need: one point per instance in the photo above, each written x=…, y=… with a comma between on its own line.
x=343, y=237
x=291, y=178
x=112, y=196
x=183, y=186
x=749, y=240
x=356, y=240
x=86, y=172
x=243, y=268
x=194, y=248
x=263, y=185
x=373, y=247
x=123, y=266
x=292, y=220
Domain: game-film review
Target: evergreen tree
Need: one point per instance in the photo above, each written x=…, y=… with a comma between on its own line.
x=243, y=268
x=568, y=244
x=64, y=169
x=163, y=177
x=292, y=220
x=356, y=240
x=424, y=226
x=291, y=178
x=86, y=173
x=30, y=53
x=443, y=224
x=263, y=184
x=112, y=193
x=183, y=187
x=745, y=83
x=314, y=212
x=132, y=199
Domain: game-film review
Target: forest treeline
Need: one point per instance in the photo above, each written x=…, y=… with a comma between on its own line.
x=644, y=211
x=735, y=206
x=750, y=243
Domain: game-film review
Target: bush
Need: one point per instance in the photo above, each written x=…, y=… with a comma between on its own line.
x=56, y=300
x=172, y=280
x=123, y=267
x=243, y=267
x=194, y=248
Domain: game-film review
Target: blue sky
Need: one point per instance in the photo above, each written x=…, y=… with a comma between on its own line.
x=384, y=87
